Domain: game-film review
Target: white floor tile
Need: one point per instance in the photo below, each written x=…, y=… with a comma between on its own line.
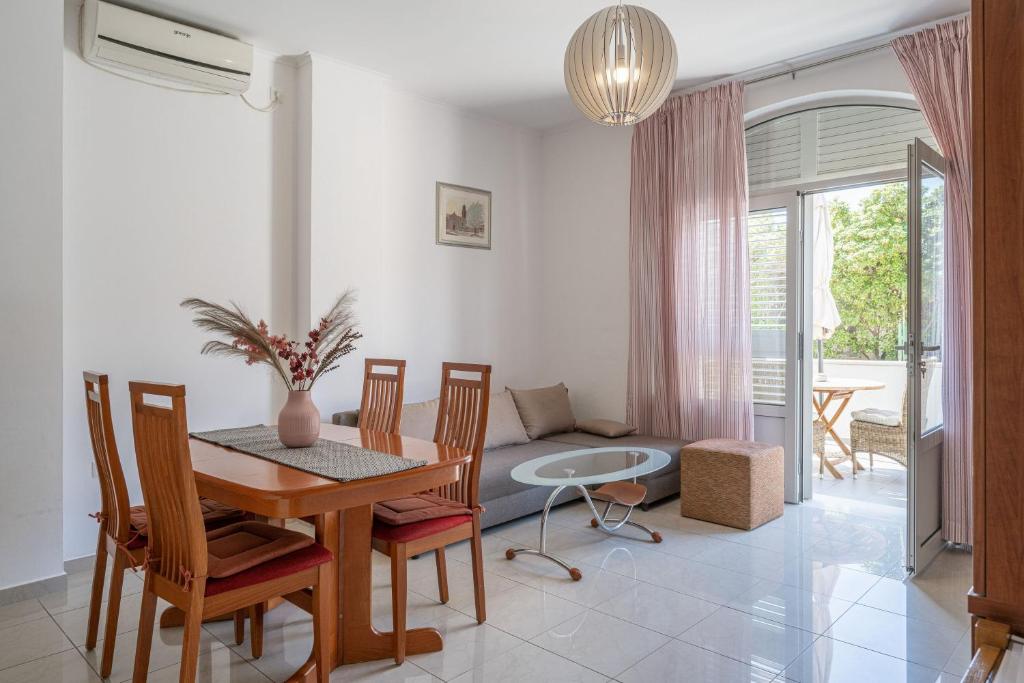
x=31, y=640
x=528, y=662
x=833, y=661
x=526, y=612
x=20, y=612
x=942, y=602
x=595, y=587
x=759, y=642
x=66, y=667
x=845, y=584
x=704, y=581
x=809, y=611
x=382, y=671
x=911, y=639
x=679, y=662
x=165, y=651
x=79, y=591
x=600, y=642
x=960, y=659
x=658, y=609
x=467, y=645
x=217, y=666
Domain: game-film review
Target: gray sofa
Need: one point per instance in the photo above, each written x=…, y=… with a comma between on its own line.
x=506, y=499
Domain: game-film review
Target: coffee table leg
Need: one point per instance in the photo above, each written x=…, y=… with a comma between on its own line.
x=575, y=573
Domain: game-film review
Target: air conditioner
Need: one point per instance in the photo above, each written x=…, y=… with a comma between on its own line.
x=117, y=37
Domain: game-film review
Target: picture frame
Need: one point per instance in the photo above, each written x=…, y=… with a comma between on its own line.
x=463, y=216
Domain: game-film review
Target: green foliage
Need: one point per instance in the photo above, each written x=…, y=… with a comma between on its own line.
x=869, y=277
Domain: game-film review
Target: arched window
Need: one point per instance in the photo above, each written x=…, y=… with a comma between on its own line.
x=831, y=143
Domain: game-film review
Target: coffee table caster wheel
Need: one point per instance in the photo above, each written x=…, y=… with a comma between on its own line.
x=593, y=523
x=510, y=554
x=656, y=537
x=576, y=574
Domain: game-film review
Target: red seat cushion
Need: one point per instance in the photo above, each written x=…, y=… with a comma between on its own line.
x=237, y=547
x=404, y=533
x=292, y=563
x=417, y=508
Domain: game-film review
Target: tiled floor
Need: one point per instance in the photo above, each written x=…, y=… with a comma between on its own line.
x=817, y=595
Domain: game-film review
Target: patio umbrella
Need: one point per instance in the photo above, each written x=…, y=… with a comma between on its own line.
x=825, y=314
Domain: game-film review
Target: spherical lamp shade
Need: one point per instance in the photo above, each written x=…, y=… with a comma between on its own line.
x=620, y=65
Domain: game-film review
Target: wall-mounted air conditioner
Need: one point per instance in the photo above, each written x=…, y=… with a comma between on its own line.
x=120, y=38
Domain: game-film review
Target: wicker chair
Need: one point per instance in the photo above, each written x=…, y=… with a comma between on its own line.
x=880, y=439
x=818, y=444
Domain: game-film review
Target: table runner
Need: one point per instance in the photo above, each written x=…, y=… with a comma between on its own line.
x=330, y=459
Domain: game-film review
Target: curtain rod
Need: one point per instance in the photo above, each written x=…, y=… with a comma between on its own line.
x=837, y=54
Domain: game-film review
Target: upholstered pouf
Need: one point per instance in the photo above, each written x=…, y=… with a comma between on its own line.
x=735, y=483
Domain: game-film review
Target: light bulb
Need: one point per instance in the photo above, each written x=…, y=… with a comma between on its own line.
x=621, y=74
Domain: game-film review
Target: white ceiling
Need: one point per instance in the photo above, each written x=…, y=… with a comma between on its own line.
x=503, y=59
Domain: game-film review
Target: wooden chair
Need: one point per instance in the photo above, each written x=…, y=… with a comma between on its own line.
x=462, y=423
x=179, y=567
x=381, y=407
x=122, y=527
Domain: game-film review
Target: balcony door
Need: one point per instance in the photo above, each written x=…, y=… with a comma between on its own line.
x=926, y=300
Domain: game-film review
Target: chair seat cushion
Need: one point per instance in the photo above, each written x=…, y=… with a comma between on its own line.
x=621, y=492
x=310, y=556
x=417, y=508
x=403, y=533
x=886, y=418
x=215, y=514
x=241, y=546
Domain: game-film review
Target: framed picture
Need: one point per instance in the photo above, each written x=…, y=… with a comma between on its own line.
x=463, y=216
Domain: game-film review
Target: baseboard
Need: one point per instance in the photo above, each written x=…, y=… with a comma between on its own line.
x=79, y=564
x=33, y=589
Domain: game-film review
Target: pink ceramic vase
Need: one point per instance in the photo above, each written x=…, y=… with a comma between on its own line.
x=298, y=423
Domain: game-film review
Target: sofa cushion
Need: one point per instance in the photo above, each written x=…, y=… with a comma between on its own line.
x=544, y=411
x=419, y=419
x=576, y=440
x=504, y=428
x=610, y=428
x=495, y=470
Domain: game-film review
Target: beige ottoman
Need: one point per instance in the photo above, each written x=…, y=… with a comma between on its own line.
x=735, y=483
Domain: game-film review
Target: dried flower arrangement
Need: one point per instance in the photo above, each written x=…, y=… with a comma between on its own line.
x=298, y=366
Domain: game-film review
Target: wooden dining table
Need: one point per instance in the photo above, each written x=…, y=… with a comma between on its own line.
x=838, y=390
x=344, y=519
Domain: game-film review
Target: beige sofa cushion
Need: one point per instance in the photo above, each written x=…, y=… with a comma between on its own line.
x=544, y=411
x=610, y=428
x=419, y=419
x=504, y=428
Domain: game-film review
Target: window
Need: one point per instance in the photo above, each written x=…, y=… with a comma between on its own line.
x=831, y=142
x=766, y=235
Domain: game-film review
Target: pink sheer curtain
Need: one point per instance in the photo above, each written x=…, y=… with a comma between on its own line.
x=690, y=371
x=937, y=62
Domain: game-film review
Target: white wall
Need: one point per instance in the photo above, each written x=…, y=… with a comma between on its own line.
x=586, y=234
x=30, y=279
x=167, y=195
x=375, y=160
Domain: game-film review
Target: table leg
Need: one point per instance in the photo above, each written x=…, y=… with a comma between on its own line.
x=358, y=640
x=575, y=573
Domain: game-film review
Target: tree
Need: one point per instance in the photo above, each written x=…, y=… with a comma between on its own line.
x=869, y=276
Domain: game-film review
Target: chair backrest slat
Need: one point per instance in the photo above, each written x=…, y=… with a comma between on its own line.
x=114, y=505
x=462, y=423
x=380, y=409
x=177, y=538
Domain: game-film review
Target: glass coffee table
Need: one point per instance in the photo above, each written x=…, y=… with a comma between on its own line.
x=610, y=466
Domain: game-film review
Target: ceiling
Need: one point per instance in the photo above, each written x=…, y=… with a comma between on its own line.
x=503, y=59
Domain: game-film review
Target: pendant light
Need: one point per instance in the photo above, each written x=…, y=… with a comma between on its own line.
x=620, y=65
